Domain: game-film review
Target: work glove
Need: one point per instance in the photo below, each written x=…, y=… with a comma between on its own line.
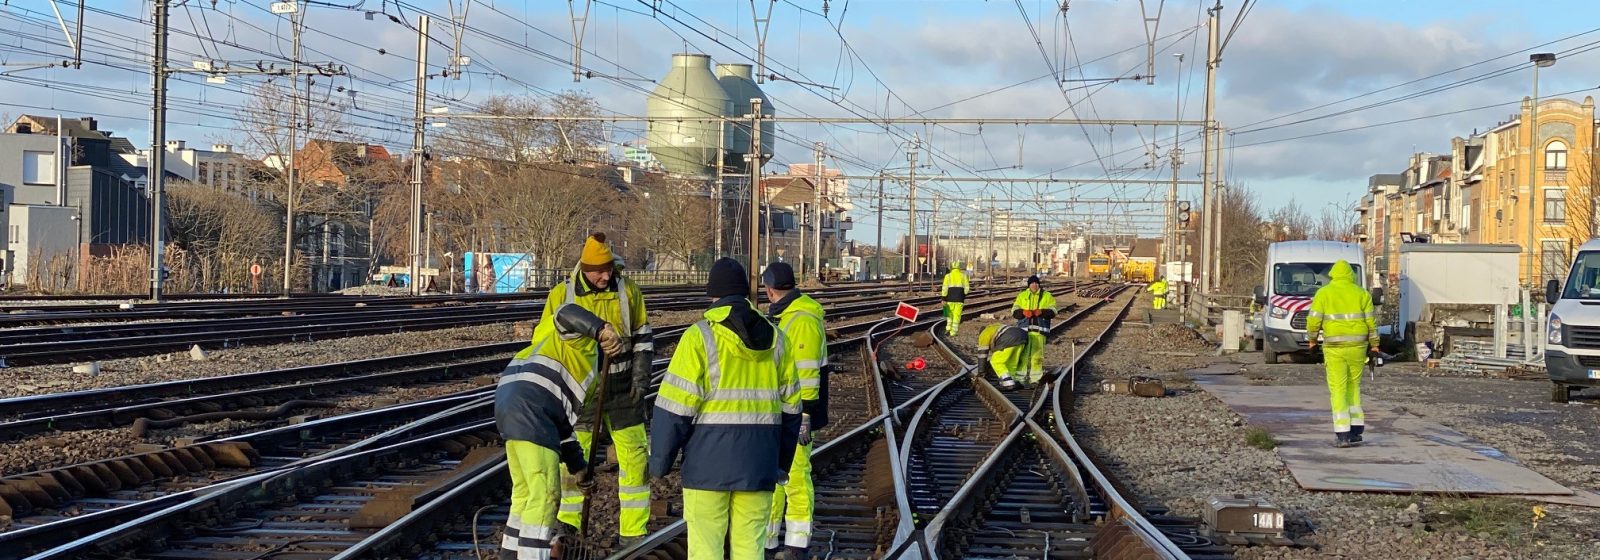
x=572, y=456
x=805, y=429
x=642, y=364
x=610, y=342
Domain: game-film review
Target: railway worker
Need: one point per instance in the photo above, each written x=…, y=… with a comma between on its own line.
x=1033, y=310
x=954, y=294
x=800, y=318
x=1004, y=346
x=730, y=403
x=535, y=407
x=596, y=285
x=1342, y=313
x=1159, y=289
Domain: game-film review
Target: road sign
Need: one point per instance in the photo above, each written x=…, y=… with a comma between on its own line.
x=906, y=311
x=255, y=270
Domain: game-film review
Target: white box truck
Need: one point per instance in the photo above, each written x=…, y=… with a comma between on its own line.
x=1452, y=285
x=1572, y=339
x=1294, y=272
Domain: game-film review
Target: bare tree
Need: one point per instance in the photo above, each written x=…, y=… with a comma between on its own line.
x=515, y=141
x=672, y=219
x=1244, y=241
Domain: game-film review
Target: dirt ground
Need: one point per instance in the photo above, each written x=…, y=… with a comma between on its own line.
x=1204, y=451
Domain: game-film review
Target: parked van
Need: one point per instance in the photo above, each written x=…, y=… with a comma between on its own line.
x=1294, y=272
x=1572, y=340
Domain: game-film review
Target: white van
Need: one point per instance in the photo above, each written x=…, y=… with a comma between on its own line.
x=1294, y=272
x=1572, y=341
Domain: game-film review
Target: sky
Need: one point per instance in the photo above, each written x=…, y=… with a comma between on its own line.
x=1315, y=95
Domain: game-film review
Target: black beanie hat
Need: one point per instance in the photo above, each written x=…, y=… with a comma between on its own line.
x=1034, y=280
x=727, y=279
x=779, y=276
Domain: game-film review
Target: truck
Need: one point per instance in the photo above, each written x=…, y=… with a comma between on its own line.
x=1139, y=269
x=1572, y=337
x=1449, y=292
x=1294, y=271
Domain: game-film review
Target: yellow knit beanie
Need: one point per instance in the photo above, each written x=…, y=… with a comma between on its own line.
x=596, y=254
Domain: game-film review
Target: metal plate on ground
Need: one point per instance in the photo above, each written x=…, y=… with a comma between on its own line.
x=1402, y=453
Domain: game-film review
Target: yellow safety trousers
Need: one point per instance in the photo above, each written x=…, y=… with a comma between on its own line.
x=632, y=459
x=1035, y=358
x=1007, y=361
x=1159, y=302
x=535, y=487
x=1344, y=384
x=953, y=326
x=726, y=525
x=794, y=504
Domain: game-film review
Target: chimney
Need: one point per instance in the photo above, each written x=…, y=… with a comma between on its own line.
x=174, y=145
x=223, y=148
x=361, y=151
x=90, y=123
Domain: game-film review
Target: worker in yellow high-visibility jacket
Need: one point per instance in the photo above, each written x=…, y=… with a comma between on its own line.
x=954, y=294
x=535, y=407
x=1159, y=290
x=1033, y=310
x=803, y=324
x=730, y=403
x=1003, y=346
x=1341, y=312
x=597, y=285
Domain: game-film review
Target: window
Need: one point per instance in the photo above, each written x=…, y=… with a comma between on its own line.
x=1466, y=216
x=1553, y=259
x=38, y=168
x=1555, y=205
x=1303, y=279
x=203, y=176
x=1555, y=155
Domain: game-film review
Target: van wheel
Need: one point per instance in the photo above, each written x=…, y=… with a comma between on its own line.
x=1269, y=355
x=1559, y=393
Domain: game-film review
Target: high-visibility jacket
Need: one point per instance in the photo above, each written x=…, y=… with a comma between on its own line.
x=1042, y=302
x=1159, y=288
x=543, y=387
x=730, y=402
x=955, y=286
x=804, y=326
x=1342, y=312
x=622, y=305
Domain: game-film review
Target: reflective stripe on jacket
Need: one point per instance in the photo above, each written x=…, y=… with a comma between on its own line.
x=733, y=411
x=803, y=324
x=955, y=286
x=621, y=305
x=1342, y=312
x=544, y=386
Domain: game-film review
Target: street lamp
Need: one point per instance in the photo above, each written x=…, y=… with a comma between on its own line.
x=1539, y=60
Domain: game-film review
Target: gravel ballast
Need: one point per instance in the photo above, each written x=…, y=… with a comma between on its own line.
x=1178, y=450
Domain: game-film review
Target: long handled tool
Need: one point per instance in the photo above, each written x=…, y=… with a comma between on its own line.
x=586, y=481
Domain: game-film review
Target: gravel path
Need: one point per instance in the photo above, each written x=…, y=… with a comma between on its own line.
x=1179, y=450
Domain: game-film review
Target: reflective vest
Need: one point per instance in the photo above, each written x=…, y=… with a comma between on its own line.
x=1029, y=301
x=622, y=306
x=544, y=386
x=733, y=411
x=803, y=324
x=955, y=286
x=1159, y=288
x=1342, y=312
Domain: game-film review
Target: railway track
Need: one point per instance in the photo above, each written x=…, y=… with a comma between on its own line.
x=121, y=406
x=50, y=507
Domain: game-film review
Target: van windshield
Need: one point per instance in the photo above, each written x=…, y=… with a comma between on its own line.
x=1303, y=279
x=1584, y=282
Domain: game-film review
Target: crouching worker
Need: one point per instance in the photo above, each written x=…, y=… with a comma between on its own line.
x=535, y=407
x=1005, y=346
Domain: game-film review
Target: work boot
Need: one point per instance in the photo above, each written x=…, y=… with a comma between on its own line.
x=792, y=553
x=1342, y=440
x=624, y=543
x=1008, y=384
x=1355, y=433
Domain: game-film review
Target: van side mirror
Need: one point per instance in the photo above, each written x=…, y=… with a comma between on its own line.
x=1552, y=291
x=1261, y=295
x=1377, y=296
